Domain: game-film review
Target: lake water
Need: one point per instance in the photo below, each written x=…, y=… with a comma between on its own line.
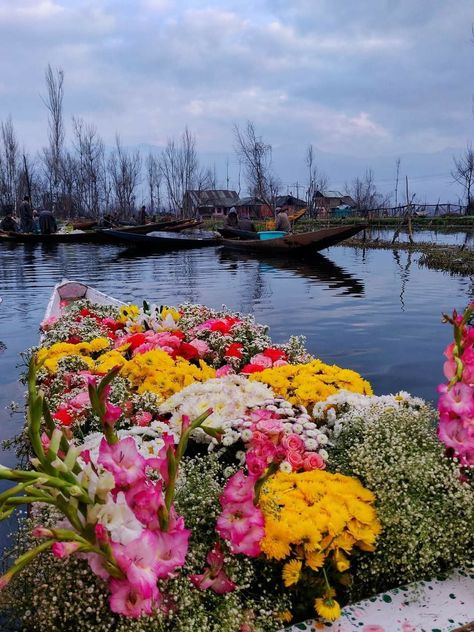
x=375, y=311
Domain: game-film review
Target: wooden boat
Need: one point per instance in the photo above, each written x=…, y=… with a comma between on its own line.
x=53, y=238
x=67, y=292
x=298, y=243
x=165, y=240
x=173, y=225
x=236, y=233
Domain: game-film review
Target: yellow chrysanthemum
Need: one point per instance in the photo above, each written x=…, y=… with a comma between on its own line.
x=109, y=360
x=328, y=608
x=307, y=384
x=315, y=560
x=341, y=561
x=291, y=572
x=285, y=616
x=99, y=344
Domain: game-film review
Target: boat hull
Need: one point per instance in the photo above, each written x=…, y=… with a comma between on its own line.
x=163, y=240
x=300, y=243
x=53, y=238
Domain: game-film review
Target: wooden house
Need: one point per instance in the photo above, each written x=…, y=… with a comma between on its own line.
x=254, y=208
x=211, y=203
x=325, y=202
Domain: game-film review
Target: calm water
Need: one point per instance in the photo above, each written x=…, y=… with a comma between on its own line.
x=456, y=238
x=374, y=311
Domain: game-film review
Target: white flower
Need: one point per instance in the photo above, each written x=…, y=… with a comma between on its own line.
x=246, y=435
x=322, y=439
x=119, y=519
x=323, y=454
x=285, y=466
x=311, y=444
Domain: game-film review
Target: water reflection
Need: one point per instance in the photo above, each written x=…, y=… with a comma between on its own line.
x=404, y=273
x=463, y=238
x=316, y=267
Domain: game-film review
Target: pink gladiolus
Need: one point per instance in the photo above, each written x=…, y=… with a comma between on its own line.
x=101, y=534
x=42, y=532
x=64, y=549
x=125, y=599
x=138, y=560
x=238, y=489
x=45, y=441
x=96, y=564
x=5, y=579
x=112, y=414
x=455, y=435
x=123, y=460
x=241, y=524
x=160, y=462
x=457, y=400
x=214, y=577
x=172, y=550
x=145, y=500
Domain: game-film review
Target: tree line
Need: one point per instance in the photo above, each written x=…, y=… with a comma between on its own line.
x=83, y=179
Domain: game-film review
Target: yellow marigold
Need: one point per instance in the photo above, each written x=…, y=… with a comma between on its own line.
x=328, y=608
x=50, y=356
x=99, y=344
x=291, y=572
x=307, y=384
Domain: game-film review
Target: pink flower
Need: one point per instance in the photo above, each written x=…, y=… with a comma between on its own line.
x=261, y=360
x=172, y=550
x=271, y=426
x=45, y=441
x=313, y=461
x=145, y=499
x=201, y=346
x=293, y=442
x=214, y=577
x=138, y=560
x=112, y=414
x=143, y=418
x=101, y=534
x=239, y=488
x=47, y=324
x=96, y=564
x=125, y=599
x=241, y=524
x=457, y=400
x=225, y=370
x=42, y=532
x=123, y=460
x=455, y=435
x=64, y=549
x=255, y=465
x=295, y=459
x=280, y=363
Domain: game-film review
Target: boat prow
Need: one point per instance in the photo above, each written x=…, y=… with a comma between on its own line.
x=67, y=292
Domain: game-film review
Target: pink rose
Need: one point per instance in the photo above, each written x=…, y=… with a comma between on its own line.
x=293, y=442
x=261, y=360
x=295, y=459
x=313, y=461
x=201, y=347
x=225, y=370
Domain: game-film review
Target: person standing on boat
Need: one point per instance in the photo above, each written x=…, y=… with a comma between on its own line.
x=47, y=222
x=282, y=222
x=232, y=220
x=26, y=216
x=142, y=215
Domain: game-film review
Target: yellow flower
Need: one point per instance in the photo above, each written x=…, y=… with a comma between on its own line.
x=285, y=616
x=109, y=360
x=315, y=560
x=170, y=311
x=328, y=608
x=99, y=344
x=128, y=312
x=341, y=561
x=291, y=572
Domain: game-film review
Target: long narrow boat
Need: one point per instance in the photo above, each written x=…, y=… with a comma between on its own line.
x=53, y=238
x=439, y=604
x=299, y=243
x=165, y=240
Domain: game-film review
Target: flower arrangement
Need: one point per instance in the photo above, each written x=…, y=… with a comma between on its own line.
x=189, y=473
x=456, y=399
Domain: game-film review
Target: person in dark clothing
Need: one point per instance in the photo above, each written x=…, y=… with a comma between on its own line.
x=246, y=224
x=47, y=222
x=282, y=222
x=8, y=224
x=142, y=215
x=232, y=219
x=26, y=216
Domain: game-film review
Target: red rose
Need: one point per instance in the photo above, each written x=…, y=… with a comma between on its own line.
x=234, y=350
x=253, y=368
x=187, y=351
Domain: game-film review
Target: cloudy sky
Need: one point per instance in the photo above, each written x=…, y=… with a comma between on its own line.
x=364, y=81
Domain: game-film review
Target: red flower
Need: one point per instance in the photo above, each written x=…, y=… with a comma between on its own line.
x=135, y=340
x=74, y=340
x=187, y=351
x=224, y=325
x=253, y=368
x=234, y=350
x=64, y=416
x=274, y=354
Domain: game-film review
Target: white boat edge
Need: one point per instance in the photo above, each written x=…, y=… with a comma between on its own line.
x=70, y=291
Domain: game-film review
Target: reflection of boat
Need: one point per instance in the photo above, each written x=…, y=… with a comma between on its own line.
x=164, y=240
x=315, y=266
x=298, y=243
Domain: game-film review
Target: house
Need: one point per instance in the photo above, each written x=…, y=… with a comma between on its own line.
x=254, y=208
x=325, y=202
x=209, y=203
x=290, y=203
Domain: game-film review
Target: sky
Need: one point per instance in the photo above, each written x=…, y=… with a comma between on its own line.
x=365, y=81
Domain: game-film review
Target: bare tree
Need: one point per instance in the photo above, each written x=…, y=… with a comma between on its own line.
x=364, y=193
x=463, y=174
x=124, y=169
x=317, y=181
x=154, y=179
x=52, y=155
x=181, y=172
x=9, y=159
x=89, y=167
x=256, y=158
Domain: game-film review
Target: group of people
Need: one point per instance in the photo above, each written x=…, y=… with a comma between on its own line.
x=282, y=222
x=31, y=221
